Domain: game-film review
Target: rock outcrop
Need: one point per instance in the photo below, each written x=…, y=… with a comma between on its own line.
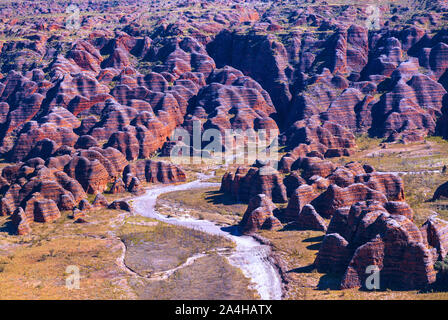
x=259, y=215
x=265, y=180
x=153, y=172
x=367, y=238
x=309, y=219
x=441, y=192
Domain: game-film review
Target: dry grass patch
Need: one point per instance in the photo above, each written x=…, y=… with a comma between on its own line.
x=38, y=271
x=419, y=189
x=431, y=154
x=34, y=266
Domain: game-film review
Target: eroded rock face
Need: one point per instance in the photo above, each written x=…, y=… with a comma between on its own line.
x=135, y=186
x=390, y=185
x=436, y=232
x=153, y=172
x=100, y=201
x=120, y=205
x=84, y=205
x=21, y=222
x=91, y=174
x=403, y=262
x=400, y=208
x=325, y=191
x=265, y=180
x=45, y=210
x=441, y=192
x=301, y=197
x=309, y=219
x=226, y=68
x=87, y=107
x=259, y=215
x=32, y=177
x=329, y=139
x=336, y=197
x=36, y=209
x=118, y=187
x=333, y=254
x=367, y=235
x=94, y=168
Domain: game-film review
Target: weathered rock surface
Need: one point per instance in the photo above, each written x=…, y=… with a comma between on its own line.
x=153, y=172
x=367, y=235
x=436, y=231
x=441, y=192
x=259, y=215
x=309, y=219
x=265, y=180
x=336, y=197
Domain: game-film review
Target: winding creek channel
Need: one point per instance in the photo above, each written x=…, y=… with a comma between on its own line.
x=250, y=256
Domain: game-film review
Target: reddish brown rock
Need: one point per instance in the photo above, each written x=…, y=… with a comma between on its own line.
x=154, y=172
x=34, y=177
x=342, y=177
x=403, y=262
x=308, y=219
x=86, y=142
x=41, y=210
x=135, y=186
x=390, y=185
x=314, y=167
x=441, y=192
x=91, y=174
x=339, y=223
x=126, y=142
x=79, y=216
x=265, y=180
x=302, y=196
x=292, y=182
x=391, y=242
x=329, y=139
x=287, y=160
x=118, y=187
x=370, y=254
x=33, y=133
x=85, y=60
x=84, y=205
x=259, y=215
x=438, y=59
x=118, y=59
x=20, y=221
x=334, y=254
x=100, y=201
x=406, y=110
x=342, y=109
x=400, y=208
x=67, y=202
x=336, y=197
x=436, y=231
x=120, y=205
